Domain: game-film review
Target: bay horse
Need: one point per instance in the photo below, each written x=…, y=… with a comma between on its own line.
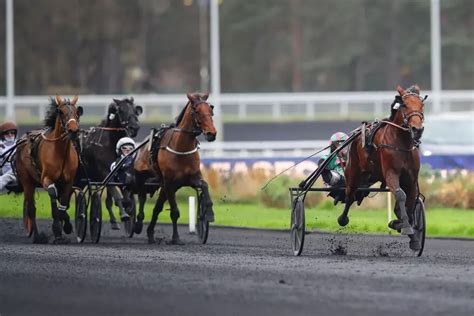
x=98, y=145
x=177, y=163
x=395, y=161
x=48, y=158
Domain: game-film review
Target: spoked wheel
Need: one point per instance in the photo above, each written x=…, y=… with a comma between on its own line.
x=95, y=217
x=201, y=221
x=80, y=216
x=130, y=224
x=297, y=226
x=420, y=224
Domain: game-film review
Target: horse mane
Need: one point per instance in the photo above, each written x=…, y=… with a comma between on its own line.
x=51, y=113
x=180, y=117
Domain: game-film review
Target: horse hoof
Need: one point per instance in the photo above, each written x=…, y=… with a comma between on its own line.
x=175, y=241
x=61, y=241
x=343, y=220
x=114, y=226
x=40, y=238
x=415, y=245
x=138, y=228
x=395, y=225
x=407, y=230
x=67, y=228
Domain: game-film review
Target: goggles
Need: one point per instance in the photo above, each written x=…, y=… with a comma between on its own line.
x=127, y=147
x=10, y=132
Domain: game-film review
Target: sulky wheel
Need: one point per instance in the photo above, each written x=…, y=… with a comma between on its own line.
x=129, y=225
x=297, y=228
x=95, y=221
x=80, y=216
x=420, y=224
x=201, y=221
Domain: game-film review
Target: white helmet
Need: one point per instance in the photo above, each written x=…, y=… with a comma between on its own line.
x=124, y=141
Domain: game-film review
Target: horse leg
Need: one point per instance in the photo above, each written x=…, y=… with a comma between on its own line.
x=207, y=201
x=412, y=193
x=393, y=183
x=29, y=210
x=108, y=204
x=396, y=224
x=141, y=214
x=119, y=198
x=57, y=225
x=174, y=215
x=156, y=211
x=63, y=206
x=351, y=186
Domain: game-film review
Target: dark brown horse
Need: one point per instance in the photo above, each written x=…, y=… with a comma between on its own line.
x=48, y=158
x=177, y=163
x=395, y=161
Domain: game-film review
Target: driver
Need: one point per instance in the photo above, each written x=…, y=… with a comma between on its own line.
x=8, y=133
x=124, y=147
x=333, y=174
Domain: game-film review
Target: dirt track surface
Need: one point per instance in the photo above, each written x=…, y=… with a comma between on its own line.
x=239, y=272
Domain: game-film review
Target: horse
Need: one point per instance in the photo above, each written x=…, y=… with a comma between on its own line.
x=98, y=144
x=177, y=163
x=48, y=158
x=395, y=161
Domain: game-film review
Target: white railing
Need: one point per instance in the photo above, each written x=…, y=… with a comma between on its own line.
x=299, y=149
x=248, y=106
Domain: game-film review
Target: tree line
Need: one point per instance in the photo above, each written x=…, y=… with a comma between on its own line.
x=162, y=46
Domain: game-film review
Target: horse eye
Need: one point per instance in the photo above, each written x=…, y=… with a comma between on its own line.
x=212, y=107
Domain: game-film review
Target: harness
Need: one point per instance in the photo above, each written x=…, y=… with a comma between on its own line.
x=369, y=130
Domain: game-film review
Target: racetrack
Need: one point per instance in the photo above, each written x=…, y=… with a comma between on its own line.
x=239, y=272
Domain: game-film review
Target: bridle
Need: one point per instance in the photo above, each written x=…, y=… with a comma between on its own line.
x=399, y=105
x=406, y=116
x=71, y=109
x=197, y=130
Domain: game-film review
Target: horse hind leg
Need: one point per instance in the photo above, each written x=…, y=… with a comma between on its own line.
x=351, y=186
x=114, y=225
x=141, y=214
x=156, y=211
x=29, y=210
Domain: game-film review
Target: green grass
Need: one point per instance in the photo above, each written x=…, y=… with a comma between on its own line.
x=440, y=221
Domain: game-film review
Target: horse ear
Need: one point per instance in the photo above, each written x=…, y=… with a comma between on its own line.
x=417, y=88
x=117, y=101
x=59, y=100
x=400, y=90
x=191, y=97
x=74, y=100
x=131, y=100
x=138, y=110
x=205, y=96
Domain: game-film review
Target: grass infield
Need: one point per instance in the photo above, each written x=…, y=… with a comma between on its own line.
x=441, y=222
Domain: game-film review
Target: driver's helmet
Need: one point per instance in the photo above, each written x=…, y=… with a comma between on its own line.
x=338, y=138
x=124, y=141
x=9, y=127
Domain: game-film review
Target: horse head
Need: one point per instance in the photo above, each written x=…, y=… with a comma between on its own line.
x=124, y=113
x=68, y=114
x=202, y=113
x=411, y=107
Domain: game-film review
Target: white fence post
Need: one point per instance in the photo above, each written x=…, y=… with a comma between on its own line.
x=192, y=214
